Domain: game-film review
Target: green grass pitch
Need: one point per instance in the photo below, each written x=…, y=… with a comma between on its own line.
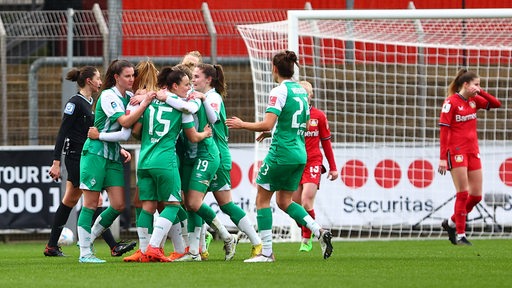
x=416, y=263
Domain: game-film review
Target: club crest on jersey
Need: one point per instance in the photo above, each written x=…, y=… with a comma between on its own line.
x=272, y=100
x=459, y=158
x=313, y=122
x=472, y=104
x=113, y=104
x=69, y=109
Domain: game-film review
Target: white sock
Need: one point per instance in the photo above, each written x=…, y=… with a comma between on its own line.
x=221, y=229
x=266, y=238
x=84, y=241
x=97, y=229
x=177, y=238
x=460, y=236
x=144, y=237
x=184, y=232
x=313, y=226
x=162, y=227
x=202, y=238
x=193, y=239
x=451, y=223
x=246, y=226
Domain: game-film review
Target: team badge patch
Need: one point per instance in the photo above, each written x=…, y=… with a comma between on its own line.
x=446, y=107
x=272, y=100
x=313, y=122
x=459, y=158
x=69, y=109
x=113, y=104
x=472, y=104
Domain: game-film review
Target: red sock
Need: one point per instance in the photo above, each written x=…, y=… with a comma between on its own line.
x=471, y=202
x=306, y=233
x=459, y=217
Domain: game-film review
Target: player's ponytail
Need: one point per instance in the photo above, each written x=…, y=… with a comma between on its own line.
x=81, y=75
x=284, y=62
x=463, y=76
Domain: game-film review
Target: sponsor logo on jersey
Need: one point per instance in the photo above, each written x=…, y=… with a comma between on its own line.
x=272, y=100
x=459, y=158
x=463, y=118
x=311, y=133
x=69, y=109
x=472, y=104
x=313, y=122
x=215, y=106
x=113, y=104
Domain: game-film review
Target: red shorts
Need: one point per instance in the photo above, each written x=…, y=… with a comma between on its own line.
x=470, y=160
x=312, y=174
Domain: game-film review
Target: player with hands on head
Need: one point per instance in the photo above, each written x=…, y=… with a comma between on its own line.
x=459, y=151
x=286, y=116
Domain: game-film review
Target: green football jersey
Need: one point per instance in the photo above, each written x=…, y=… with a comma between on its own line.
x=220, y=130
x=205, y=148
x=110, y=106
x=161, y=125
x=289, y=101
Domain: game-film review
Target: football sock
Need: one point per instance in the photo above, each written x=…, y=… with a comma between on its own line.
x=471, y=202
x=175, y=234
x=264, y=218
x=61, y=217
x=103, y=222
x=306, y=233
x=84, y=230
x=107, y=234
x=235, y=213
x=144, y=229
x=460, y=211
x=202, y=238
x=246, y=226
x=207, y=213
x=163, y=225
x=193, y=238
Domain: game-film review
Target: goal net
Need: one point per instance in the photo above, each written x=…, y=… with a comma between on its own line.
x=381, y=78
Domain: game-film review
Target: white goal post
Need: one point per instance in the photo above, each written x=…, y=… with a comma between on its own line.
x=381, y=77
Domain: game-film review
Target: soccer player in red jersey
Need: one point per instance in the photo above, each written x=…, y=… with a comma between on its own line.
x=459, y=150
x=317, y=132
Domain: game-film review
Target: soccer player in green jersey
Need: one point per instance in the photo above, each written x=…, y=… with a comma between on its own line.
x=209, y=79
x=200, y=163
x=157, y=171
x=286, y=115
x=101, y=164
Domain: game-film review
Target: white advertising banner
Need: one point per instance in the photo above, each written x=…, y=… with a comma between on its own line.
x=385, y=186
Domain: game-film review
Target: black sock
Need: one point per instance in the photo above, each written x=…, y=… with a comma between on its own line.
x=107, y=234
x=61, y=217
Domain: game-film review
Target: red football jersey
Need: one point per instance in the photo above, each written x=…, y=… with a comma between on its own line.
x=318, y=130
x=459, y=115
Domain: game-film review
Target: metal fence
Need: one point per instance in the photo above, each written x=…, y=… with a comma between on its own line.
x=37, y=46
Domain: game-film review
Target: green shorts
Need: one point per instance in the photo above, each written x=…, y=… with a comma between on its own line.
x=159, y=184
x=221, y=181
x=275, y=177
x=98, y=173
x=202, y=173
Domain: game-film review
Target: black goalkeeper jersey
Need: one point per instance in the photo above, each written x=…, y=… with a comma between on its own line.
x=76, y=120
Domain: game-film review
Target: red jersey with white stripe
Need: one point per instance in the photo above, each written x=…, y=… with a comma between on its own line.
x=318, y=130
x=459, y=115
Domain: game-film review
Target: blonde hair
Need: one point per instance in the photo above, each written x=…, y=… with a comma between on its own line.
x=189, y=62
x=309, y=88
x=146, y=76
